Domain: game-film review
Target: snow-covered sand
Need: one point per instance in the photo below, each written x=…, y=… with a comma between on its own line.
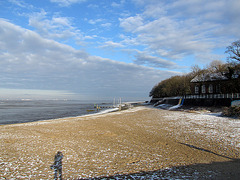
x=140, y=143
x=211, y=125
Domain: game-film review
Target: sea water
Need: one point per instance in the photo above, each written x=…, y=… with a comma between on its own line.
x=21, y=111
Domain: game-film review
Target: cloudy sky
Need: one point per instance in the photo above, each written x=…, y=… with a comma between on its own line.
x=100, y=49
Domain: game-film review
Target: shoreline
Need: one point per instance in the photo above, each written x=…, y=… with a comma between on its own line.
x=138, y=142
x=126, y=105
x=59, y=119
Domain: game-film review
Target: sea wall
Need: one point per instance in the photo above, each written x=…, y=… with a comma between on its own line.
x=196, y=101
x=208, y=102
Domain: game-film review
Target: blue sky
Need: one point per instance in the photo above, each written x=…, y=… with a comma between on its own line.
x=92, y=49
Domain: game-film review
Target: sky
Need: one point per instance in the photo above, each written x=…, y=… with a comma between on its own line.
x=104, y=49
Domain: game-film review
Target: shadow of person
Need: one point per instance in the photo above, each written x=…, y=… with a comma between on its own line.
x=57, y=165
x=201, y=149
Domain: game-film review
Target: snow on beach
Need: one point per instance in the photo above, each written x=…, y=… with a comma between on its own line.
x=211, y=125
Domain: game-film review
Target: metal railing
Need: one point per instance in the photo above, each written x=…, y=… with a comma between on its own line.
x=204, y=96
x=213, y=96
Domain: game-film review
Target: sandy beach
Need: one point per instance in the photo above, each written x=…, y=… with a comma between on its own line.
x=138, y=143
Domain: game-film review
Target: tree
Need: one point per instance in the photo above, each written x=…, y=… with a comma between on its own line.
x=234, y=51
x=196, y=70
x=217, y=66
x=173, y=86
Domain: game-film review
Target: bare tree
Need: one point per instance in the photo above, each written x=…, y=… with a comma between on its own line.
x=234, y=51
x=217, y=66
x=196, y=70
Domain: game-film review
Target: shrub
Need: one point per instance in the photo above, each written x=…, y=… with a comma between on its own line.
x=233, y=111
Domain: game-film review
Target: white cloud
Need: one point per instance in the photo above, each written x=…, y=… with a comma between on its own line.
x=129, y=41
x=55, y=27
x=90, y=37
x=155, y=11
x=117, y=5
x=29, y=61
x=169, y=38
x=93, y=6
x=111, y=44
x=95, y=21
x=131, y=23
x=66, y=3
x=19, y=3
x=177, y=29
x=145, y=59
x=106, y=25
x=63, y=21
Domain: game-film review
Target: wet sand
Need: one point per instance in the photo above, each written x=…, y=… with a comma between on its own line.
x=140, y=143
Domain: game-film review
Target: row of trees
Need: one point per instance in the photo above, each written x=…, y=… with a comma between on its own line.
x=180, y=85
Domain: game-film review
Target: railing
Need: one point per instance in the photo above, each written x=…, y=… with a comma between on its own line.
x=213, y=96
x=204, y=96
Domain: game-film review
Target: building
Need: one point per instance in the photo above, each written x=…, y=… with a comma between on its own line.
x=215, y=83
x=208, y=89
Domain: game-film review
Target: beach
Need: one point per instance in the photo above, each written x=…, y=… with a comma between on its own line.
x=138, y=143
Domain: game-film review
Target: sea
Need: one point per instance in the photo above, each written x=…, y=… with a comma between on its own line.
x=22, y=111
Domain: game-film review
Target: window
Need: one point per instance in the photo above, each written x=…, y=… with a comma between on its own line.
x=210, y=88
x=203, y=89
x=218, y=88
x=196, y=89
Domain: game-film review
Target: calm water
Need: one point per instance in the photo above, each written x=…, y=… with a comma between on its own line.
x=12, y=112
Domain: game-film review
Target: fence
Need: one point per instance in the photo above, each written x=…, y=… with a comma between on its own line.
x=213, y=96
x=203, y=96
x=204, y=99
